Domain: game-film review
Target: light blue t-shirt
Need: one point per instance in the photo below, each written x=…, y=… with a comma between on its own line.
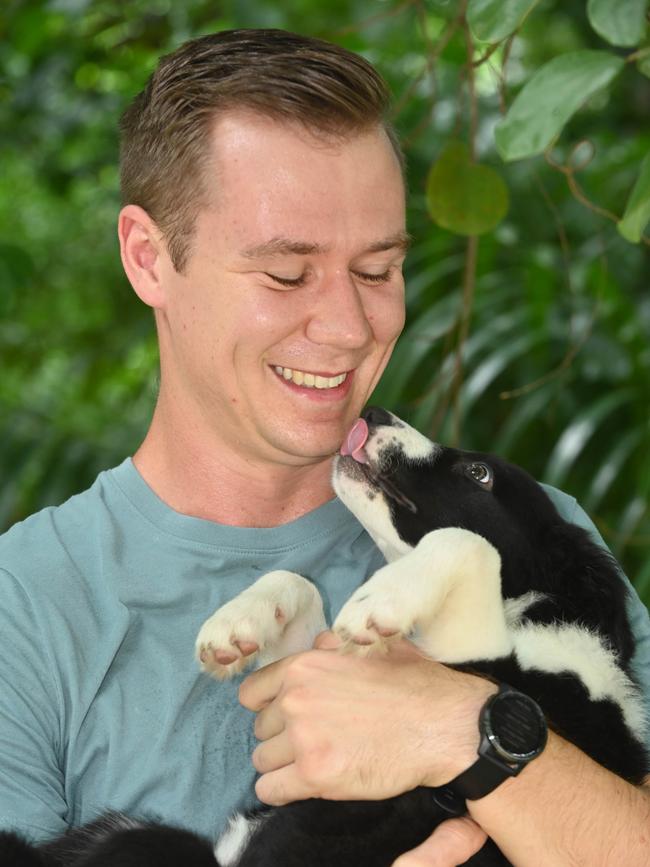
x=101, y=702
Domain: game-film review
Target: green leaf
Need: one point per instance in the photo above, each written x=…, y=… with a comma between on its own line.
x=550, y=98
x=576, y=436
x=637, y=212
x=485, y=372
x=620, y=22
x=412, y=349
x=493, y=20
x=462, y=196
x=611, y=467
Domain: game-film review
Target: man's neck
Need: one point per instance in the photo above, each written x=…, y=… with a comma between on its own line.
x=219, y=485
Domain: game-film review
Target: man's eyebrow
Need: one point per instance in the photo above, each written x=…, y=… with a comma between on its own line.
x=401, y=241
x=285, y=247
x=282, y=247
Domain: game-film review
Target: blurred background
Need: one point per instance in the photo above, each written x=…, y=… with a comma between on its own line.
x=528, y=325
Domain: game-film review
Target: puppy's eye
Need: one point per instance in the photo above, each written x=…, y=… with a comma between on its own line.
x=481, y=473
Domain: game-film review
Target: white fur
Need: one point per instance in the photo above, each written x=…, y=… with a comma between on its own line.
x=371, y=510
x=517, y=607
x=281, y=612
x=446, y=591
x=414, y=445
x=364, y=500
x=235, y=838
x=562, y=647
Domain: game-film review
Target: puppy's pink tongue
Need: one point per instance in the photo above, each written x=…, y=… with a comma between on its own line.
x=355, y=441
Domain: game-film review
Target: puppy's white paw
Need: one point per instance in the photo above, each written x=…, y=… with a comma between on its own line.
x=371, y=617
x=230, y=640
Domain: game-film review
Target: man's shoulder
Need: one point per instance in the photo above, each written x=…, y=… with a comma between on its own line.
x=55, y=537
x=571, y=510
x=565, y=504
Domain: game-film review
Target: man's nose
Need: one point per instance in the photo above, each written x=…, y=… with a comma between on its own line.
x=340, y=318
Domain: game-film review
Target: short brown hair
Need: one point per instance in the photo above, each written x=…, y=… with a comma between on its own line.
x=285, y=76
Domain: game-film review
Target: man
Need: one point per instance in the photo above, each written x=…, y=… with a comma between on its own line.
x=264, y=224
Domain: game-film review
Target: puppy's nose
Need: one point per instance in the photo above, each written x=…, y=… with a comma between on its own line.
x=376, y=416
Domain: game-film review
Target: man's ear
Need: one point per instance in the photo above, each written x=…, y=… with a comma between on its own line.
x=143, y=250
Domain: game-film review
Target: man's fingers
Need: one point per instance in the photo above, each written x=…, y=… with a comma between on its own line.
x=269, y=722
x=282, y=787
x=262, y=686
x=327, y=641
x=273, y=754
x=452, y=843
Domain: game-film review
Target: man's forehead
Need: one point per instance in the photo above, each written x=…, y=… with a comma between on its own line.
x=236, y=131
x=281, y=246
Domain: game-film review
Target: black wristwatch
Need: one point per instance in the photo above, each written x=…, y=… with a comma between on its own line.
x=513, y=733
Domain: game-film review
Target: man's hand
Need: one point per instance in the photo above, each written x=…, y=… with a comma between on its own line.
x=452, y=843
x=344, y=727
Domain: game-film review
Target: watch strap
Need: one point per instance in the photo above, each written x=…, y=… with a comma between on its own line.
x=489, y=770
x=482, y=777
x=478, y=780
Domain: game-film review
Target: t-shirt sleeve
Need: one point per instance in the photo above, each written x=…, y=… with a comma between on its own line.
x=637, y=611
x=32, y=798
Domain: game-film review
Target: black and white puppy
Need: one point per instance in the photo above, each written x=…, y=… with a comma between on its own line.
x=483, y=574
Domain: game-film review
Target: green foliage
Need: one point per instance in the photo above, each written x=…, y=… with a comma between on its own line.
x=551, y=96
x=532, y=341
x=637, y=212
x=620, y=23
x=494, y=20
x=466, y=198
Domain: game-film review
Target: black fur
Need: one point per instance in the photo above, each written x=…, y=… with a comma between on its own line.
x=539, y=551
x=114, y=840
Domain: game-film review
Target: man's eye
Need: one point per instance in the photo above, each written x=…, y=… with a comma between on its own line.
x=294, y=283
x=374, y=278
x=297, y=282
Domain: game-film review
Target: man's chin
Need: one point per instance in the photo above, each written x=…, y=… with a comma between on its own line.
x=307, y=451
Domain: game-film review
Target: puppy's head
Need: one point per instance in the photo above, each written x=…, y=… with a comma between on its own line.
x=400, y=486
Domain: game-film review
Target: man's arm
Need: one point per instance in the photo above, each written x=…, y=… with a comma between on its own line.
x=341, y=727
x=32, y=798
x=566, y=809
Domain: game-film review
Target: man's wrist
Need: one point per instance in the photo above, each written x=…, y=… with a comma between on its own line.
x=494, y=742
x=462, y=732
x=513, y=733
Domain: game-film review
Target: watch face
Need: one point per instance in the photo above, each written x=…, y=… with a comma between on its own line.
x=515, y=726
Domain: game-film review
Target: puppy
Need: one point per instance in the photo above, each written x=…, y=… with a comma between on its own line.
x=482, y=574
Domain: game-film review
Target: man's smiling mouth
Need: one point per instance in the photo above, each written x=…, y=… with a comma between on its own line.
x=310, y=380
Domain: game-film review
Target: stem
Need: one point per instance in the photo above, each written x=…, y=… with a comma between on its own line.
x=569, y=173
x=638, y=55
x=471, y=255
x=374, y=19
x=469, y=285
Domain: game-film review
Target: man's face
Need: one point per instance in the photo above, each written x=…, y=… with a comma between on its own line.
x=292, y=298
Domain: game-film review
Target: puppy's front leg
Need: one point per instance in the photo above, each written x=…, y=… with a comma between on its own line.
x=445, y=593
x=281, y=613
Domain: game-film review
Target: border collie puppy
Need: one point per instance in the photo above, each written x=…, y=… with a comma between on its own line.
x=482, y=574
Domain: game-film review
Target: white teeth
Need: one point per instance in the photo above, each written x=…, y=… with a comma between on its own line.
x=310, y=380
